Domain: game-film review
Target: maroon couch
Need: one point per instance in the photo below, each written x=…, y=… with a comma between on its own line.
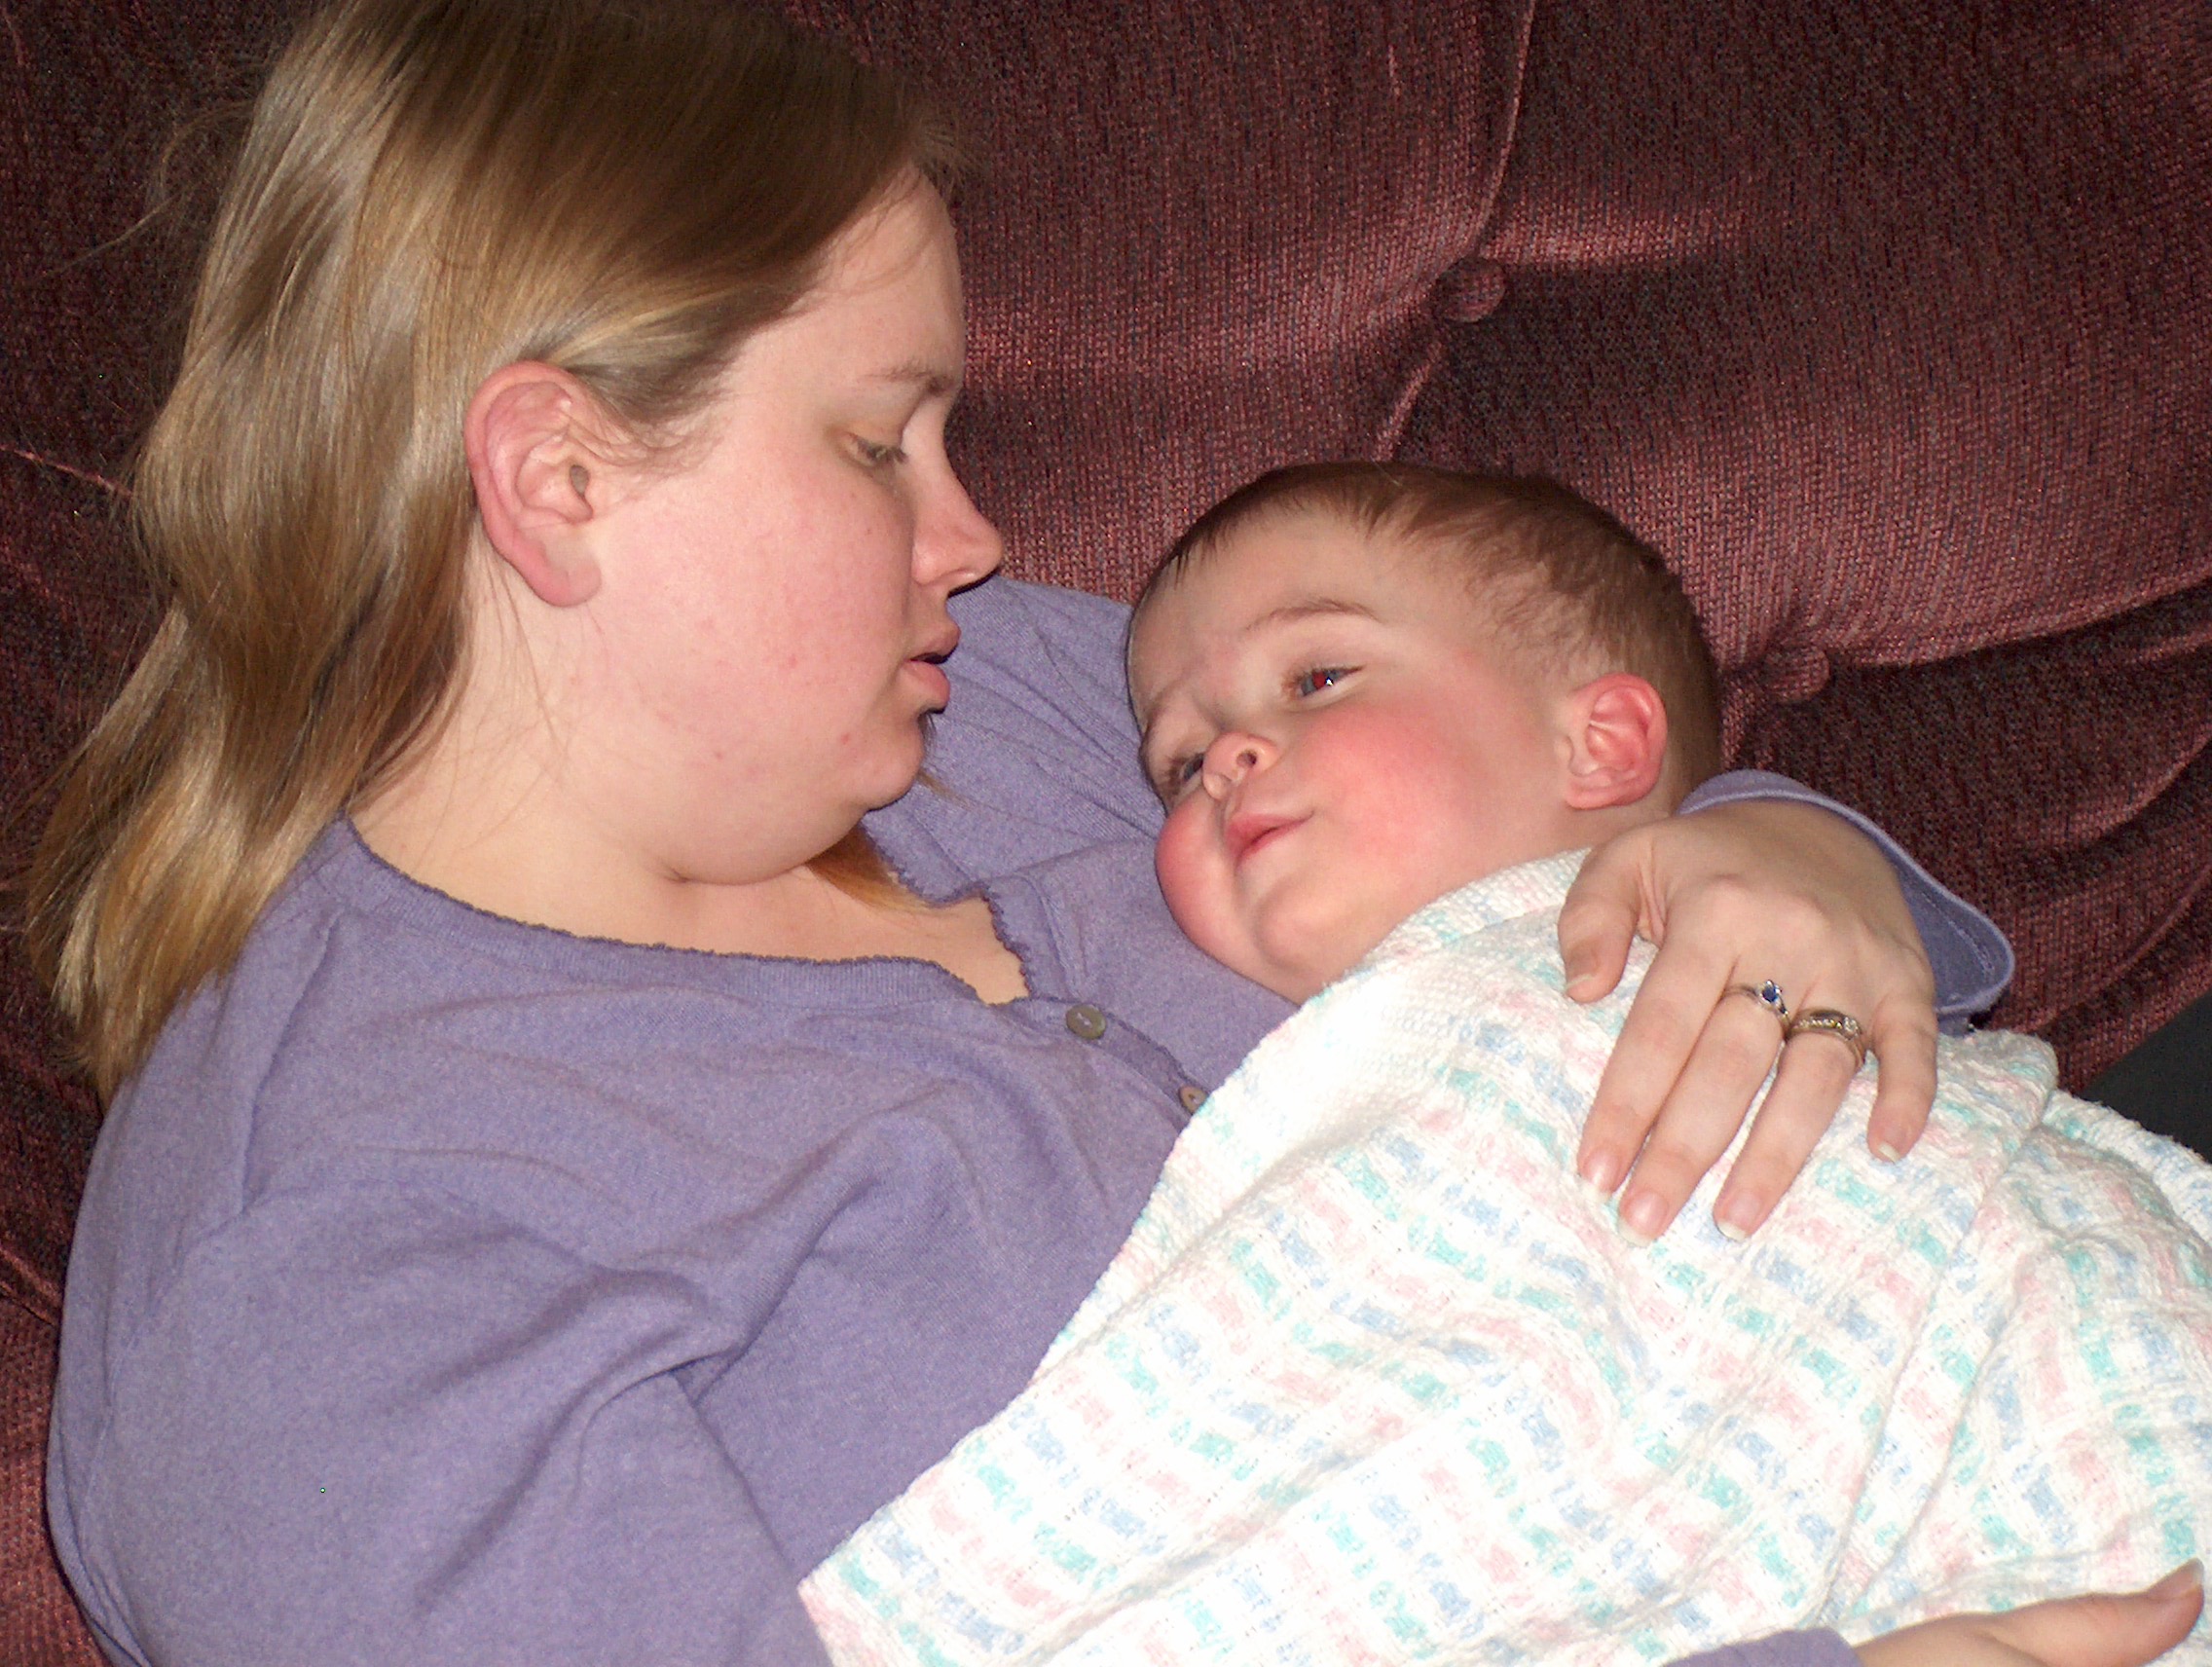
x=1892, y=323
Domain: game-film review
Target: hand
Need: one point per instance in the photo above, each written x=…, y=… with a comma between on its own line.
x=2103, y=1629
x=1740, y=894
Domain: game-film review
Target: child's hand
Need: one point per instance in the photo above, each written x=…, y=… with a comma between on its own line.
x=1735, y=895
x=2102, y=1629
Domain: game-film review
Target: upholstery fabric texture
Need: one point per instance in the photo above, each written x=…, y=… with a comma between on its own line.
x=1891, y=325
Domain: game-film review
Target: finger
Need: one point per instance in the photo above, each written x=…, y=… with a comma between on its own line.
x=1700, y=1116
x=1814, y=1075
x=1902, y=1041
x=1663, y=1026
x=1596, y=922
x=2107, y=1629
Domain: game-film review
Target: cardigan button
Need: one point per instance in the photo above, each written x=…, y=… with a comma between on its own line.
x=1192, y=1096
x=1086, y=1022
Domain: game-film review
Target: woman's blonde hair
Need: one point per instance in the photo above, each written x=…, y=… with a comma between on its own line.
x=429, y=189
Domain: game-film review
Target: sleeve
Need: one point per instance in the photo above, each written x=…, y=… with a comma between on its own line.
x=1971, y=960
x=375, y=1428
x=1035, y=755
x=1821, y=1649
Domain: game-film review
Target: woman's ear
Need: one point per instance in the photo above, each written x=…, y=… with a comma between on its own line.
x=1616, y=731
x=535, y=459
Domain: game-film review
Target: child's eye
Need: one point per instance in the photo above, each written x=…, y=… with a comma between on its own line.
x=1318, y=679
x=1175, y=774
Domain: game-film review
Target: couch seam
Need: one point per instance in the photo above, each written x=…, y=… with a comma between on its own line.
x=15, y=1300
x=91, y=477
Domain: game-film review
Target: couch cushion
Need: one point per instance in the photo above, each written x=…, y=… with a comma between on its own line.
x=1206, y=241
x=39, y=1623
x=1890, y=319
x=1891, y=326
x=2066, y=784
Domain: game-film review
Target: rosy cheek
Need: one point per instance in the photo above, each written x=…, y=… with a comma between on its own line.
x=1184, y=861
x=1387, y=764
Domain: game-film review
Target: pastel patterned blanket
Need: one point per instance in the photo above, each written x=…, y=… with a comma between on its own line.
x=1376, y=1380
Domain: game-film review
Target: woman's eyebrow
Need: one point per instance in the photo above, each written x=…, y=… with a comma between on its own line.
x=930, y=379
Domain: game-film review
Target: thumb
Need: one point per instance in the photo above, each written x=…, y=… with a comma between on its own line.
x=2107, y=1629
x=1597, y=923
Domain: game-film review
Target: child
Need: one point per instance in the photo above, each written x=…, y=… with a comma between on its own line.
x=1364, y=687
x=1375, y=1378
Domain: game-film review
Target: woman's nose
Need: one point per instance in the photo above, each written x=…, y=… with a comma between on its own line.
x=1234, y=756
x=954, y=544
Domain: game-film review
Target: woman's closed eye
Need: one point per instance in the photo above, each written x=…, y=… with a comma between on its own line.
x=877, y=455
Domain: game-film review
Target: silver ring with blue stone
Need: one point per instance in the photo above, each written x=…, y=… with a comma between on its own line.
x=1769, y=996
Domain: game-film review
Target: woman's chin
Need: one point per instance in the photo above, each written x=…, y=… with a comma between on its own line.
x=901, y=772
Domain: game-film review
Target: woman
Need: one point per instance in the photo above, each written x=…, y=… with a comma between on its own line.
x=560, y=1176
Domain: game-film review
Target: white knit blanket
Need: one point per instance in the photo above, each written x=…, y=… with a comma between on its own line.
x=1378, y=1380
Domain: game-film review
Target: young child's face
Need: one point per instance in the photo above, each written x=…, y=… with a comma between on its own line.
x=1336, y=745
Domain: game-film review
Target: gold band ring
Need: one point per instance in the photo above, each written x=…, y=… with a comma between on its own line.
x=1827, y=1021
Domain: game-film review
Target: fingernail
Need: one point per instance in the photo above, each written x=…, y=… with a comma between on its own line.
x=1887, y=1149
x=1578, y=980
x=1602, y=1171
x=1737, y=1216
x=1641, y=1217
x=2185, y=1580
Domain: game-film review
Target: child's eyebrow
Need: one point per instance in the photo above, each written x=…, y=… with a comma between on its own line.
x=1309, y=608
x=1289, y=613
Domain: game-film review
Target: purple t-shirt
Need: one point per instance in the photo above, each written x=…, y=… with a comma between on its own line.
x=448, y=1288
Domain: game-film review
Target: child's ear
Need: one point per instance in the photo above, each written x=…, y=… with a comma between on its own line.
x=536, y=458
x=1616, y=732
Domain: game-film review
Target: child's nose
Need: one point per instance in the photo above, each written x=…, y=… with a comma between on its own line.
x=1231, y=757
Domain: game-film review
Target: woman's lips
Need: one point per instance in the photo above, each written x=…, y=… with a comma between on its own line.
x=926, y=670
x=1249, y=831
x=933, y=680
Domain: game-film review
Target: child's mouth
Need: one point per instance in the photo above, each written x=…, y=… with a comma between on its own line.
x=1247, y=833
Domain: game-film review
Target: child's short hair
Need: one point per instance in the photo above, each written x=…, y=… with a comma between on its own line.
x=1567, y=583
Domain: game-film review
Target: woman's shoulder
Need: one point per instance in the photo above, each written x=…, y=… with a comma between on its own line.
x=1036, y=754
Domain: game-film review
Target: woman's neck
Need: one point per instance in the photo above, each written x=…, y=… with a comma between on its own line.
x=505, y=843
x=521, y=803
